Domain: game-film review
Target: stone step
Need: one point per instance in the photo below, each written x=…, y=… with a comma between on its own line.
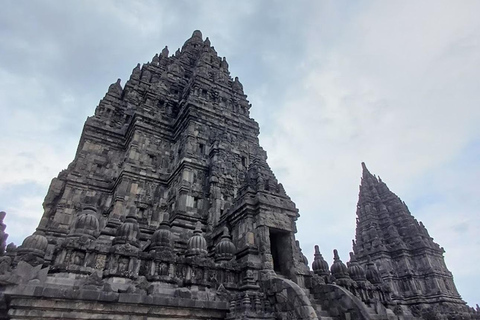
x=321, y=314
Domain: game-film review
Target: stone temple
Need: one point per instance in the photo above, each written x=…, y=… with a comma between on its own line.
x=170, y=210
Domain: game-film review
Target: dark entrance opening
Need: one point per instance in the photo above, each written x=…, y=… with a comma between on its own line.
x=281, y=251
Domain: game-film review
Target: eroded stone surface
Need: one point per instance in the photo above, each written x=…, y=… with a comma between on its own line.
x=170, y=209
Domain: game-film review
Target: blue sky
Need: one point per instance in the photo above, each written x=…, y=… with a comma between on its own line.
x=395, y=84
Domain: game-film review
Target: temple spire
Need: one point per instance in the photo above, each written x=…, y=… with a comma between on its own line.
x=365, y=173
x=388, y=234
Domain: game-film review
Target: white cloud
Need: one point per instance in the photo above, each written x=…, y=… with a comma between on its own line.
x=399, y=90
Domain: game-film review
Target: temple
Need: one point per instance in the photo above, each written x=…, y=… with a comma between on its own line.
x=170, y=210
x=410, y=262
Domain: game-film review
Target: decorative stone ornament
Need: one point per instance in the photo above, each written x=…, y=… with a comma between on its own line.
x=128, y=232
x=33, y=248
x=86, y=224
x=355, y=270
x=162, y=237
x=197, y=245
x=225, y=249
x=319, y=265
x=372, y=273
x=338, y=269
x=178, y=137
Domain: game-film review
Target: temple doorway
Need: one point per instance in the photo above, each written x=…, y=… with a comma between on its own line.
x=281, y=250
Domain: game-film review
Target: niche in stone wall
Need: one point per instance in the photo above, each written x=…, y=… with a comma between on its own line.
x=281, y=250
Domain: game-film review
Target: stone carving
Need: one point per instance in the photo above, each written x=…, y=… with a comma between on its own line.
x=170, y=210
x=388, y=236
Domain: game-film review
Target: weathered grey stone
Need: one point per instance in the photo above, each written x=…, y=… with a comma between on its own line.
x=170, y=210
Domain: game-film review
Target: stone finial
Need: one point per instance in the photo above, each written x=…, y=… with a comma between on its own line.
x=198, y=228
x=86, y=224
x=224, y=63
x=365, y=172
x=319, y=265
x=336, y=257
x=237, y=86
x=33, y=248
x=128, y=232
x=197, y=245
x=355, y=271
x=372, y=273
x=136, y=72
x=155, y=59
x=197, y=34
x=164, y=53
x=195, y=41
x=338, y=269
x=302, y=258
x=207, y=42
x=166, y=218
x=352, y=257
x=115, y=89
x=364, y=166
x=3, y=235
x=225, y=250
x=37, y=241
x=11, y=247
x=162, y=237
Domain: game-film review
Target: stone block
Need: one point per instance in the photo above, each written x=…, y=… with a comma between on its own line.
x=108, y=296
x=89, y=294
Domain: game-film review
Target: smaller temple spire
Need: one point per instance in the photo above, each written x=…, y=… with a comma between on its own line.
x=197, y=34
x=136, y=72
x=162, y=237
x=207, y=42
x=365, y=172
x=319, y=265
x=164, y=53
x=197, y=245
x=3, y=235
x=115, y=89
x=338, y=269
x=225, y=249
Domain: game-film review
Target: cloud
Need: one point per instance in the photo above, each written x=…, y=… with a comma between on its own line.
x=400, y=91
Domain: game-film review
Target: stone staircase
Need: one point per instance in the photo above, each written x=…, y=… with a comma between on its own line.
x=321, y=314
x=333, y=305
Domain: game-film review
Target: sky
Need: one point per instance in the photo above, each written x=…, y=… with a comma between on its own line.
x=395, y=84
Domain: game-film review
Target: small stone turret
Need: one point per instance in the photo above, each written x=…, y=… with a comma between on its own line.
x=3, y=235
x=319, y=265
x=164, y=53
x=162, y=237
x=36, y=243
x=33, y=248
x=86, y=224
x=338, y=269
x=194, y=42
x=372, y=273
x=355, y=270
x=115, y=89
x=225, y=249
x=128, y=232
x=197, y=245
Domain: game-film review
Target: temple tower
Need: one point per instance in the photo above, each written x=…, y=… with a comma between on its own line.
x=170, y=210
x=407, y=257
x=177, y=141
